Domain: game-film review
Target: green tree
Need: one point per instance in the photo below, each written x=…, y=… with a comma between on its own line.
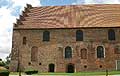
x=2, y=62
x=7, y=62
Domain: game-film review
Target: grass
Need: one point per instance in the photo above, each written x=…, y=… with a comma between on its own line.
x=14, y=73
x=83, y=73
x=75, y=74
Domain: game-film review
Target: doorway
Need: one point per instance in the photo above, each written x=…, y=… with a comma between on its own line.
x=70, y=68
x=51, y=67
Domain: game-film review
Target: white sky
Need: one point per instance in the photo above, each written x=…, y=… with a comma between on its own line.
x=6, y=23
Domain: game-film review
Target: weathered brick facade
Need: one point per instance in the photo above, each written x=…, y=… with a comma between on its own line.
x=62, y=22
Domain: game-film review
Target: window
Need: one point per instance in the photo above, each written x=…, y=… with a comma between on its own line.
x=68, y=52
x=40, y=63
x=79, y=35
x=29, y=63
x=34, y=53
x=100, y=66
x=83, y=53
x=85, y=66
x=100, y=52
x=46, y=36
x=24, y=40
x=111, y=34
x=117, y=49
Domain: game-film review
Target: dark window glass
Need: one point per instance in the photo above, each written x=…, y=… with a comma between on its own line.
x=68, y=52
x=111, y=34
x=34, y=53
x=83, y=53
x=46, y=36
x=79, y=35
x=24, y=40
x=100, y=52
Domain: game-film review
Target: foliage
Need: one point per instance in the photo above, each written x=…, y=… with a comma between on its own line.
x=30, y=71
x=2, y=63
x=6, y=62
x=0, y=59
x=4, y=71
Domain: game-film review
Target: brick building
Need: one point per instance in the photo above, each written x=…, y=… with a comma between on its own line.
x=69, y=38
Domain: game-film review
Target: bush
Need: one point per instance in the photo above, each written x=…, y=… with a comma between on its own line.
x=4, y=71
x=30, y=71
x=2, y=63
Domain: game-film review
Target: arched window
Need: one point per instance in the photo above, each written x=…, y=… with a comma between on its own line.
x=46, y=36
x=79, y=35
x=24, y=40
x=34, y=53
x=83, y=53
x=68, y=52
x=100, y=52
x=111, y=34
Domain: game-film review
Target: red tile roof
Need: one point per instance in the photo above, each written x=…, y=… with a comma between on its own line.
x=71, y=16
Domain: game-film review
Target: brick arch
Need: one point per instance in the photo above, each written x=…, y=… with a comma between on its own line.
x=34, y=53
x=83, y=53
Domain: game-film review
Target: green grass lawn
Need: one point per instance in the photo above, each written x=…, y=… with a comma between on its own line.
x=78, y=73
x=83, y=73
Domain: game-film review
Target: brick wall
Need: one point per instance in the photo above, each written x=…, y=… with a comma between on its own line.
x=53, y=51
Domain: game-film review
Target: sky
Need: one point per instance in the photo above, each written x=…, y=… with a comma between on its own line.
x=11, y=9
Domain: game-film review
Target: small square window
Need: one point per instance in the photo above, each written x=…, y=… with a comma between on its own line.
x=40, y=64
x=100, y=66
x=85, y=66
x=29, y=63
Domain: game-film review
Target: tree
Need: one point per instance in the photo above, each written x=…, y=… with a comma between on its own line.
x=0, y=59
x=2, y=62
x=7, y=62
